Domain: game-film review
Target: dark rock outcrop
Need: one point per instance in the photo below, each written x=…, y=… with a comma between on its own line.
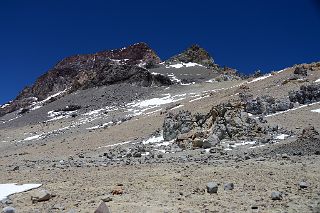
x=306, y=94
x=266, y=105
x=194, y=54
x=302, y=71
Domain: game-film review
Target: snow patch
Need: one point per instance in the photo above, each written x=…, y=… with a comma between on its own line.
x=281, y=137
x=317, y=81
x=154, y=139
x=34, y=137
x=4, y=106
x=260, y=78
x=12, y=188
x=316, y=110
x=181, y=65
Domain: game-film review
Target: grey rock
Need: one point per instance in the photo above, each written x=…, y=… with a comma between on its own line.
x=303, y=185
x=300, y=71
x=8, y=209
x=211, y=141
x=40, y=196
x=306, y=94
x=106, y=199
x=103, y=208
x=212, y=187
x=276, y=195
x=228, y=186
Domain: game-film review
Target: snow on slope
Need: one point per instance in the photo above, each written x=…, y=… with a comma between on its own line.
x=181, y=65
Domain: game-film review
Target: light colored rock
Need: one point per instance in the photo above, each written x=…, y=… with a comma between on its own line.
x=8, y=209
x=212, y=187
x=103, y=208
x=40, y=196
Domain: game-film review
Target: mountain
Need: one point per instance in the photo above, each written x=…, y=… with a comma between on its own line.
x=113, y=67
x=92, y=70
x=130, y=133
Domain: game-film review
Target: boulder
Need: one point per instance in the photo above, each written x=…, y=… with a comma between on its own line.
x=276, y=195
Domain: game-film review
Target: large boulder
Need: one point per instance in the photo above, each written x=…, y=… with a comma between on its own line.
x=176, y=124
x=266, y=105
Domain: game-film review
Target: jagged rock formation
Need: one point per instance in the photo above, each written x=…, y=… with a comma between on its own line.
x=306, y=94
x=194, y=54
x=225, y=121
x=266, y=105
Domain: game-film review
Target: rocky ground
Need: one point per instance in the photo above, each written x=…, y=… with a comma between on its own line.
x=201, y=143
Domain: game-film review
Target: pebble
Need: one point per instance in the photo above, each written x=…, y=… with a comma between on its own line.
x=303, y=185
x=228, y=186
x=107, y=199
x=276, y=196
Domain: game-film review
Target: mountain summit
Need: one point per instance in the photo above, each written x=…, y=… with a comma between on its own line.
x=194, y=54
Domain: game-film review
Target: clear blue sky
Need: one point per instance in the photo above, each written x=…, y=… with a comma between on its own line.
x=247, y=34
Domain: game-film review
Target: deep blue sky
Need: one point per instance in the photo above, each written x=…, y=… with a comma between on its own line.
x=247, y=34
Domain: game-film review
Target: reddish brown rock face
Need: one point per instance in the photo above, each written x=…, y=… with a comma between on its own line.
x=132, y=55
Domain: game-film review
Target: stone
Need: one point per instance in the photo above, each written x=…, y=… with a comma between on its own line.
x=118, y=190
x=212, y=187
x=303, y=185
x=103, y=208
x=276, y=195
x=8, y=209
x=40, y=196
x=228, y=186
x=197, y=143
x=211, y=141
x=106, y=199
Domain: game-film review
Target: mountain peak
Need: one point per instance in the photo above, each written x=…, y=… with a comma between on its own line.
x=195, y=54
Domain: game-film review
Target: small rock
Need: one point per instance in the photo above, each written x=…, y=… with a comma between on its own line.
x=16, y=168
x=285, y=156
x=118, y=190
x=303, y=185
x=212, y=187
x=228, y=186
x=8, y=209
x=39, y=196
x=103, y=208
x=276, y=196
x=107, y=199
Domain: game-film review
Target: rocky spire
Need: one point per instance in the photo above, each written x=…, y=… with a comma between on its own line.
x=194, y=54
